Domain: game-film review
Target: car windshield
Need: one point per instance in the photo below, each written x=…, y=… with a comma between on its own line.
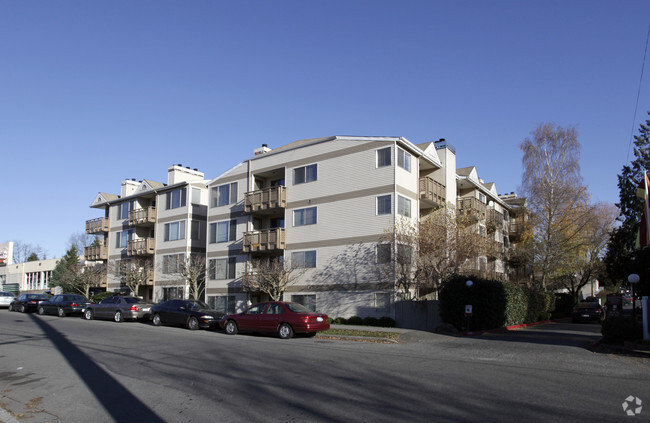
x=196, y=304
x=297, y=308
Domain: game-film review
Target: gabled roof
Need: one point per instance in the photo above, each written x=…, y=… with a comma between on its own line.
x=103, y=198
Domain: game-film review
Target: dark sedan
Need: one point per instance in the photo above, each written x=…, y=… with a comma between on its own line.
x=27, y=302
x=191, y=313
x=64, y=304
x=283, y=318
x=118, y=308
x=590, y=311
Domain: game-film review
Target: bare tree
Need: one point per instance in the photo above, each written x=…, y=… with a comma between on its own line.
x=81, y=240
x=134, y=273
x=557, y=198
x=88, y=276
x=272, y=276
x=23, y=251
x=192, y=268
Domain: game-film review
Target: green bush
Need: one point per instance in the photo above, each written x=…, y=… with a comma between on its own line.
x=355, y=320
x=370, y=321
x=340, y=321
x=386, y=322
x=100, y=296
x=618, y=329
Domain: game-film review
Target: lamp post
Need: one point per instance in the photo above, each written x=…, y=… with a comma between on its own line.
x=468, y=307
x=633, y=279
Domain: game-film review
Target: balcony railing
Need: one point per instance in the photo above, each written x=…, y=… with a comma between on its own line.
x=472, y=206
x=95, y=226
x=495, y=250
x=265, y=199
x=141, y=247
x=96, y=252
x=494, y=219
x=264, y=240
x=144, y=216
x=432, y=192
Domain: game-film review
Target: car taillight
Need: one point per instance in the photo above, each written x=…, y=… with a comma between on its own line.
x=134, y=308
x=74, y=305
x=32, y=301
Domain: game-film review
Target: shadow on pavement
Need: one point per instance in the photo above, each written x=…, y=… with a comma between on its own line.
x=121, y=404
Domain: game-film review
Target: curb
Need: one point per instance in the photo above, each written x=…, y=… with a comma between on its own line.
x=504, y=329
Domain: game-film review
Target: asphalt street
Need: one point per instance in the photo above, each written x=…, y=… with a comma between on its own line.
x=70, y=370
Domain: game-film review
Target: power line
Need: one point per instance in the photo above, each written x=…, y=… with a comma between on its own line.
x=638, y=94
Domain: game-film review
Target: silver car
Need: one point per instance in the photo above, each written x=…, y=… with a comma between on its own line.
x=6, y=298
x=118, y=308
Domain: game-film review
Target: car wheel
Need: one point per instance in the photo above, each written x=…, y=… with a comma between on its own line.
x=61, y=312
x=156, y=320
x=192, y=323
x=231, y=327
x=285, y=331
x=41, y=311
x=88, y=314
x=22, y=308
x=118, y=317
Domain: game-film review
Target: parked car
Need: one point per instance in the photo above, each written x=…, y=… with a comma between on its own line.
x=27, y=302
x=590, y=311
x=64, y=304
x=6, y=298
x=284, y=318
x=118, y=308
x=191, y=313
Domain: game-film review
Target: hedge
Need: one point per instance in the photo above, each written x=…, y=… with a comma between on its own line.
x=494, y=304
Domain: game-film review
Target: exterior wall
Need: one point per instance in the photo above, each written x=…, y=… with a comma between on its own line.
x=31, y=276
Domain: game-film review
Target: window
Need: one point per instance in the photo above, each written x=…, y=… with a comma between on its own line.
x=384, y=204
x=175, y=231
x=304, y=174
x=224, y=195
x=173, y=293
x=383, y=253
x=482, y=198
x=223, y=303
x=383, y=157
x=303, y=259
x=403, y=206
x=197, y=229
x=308, y=301
x=482, y=230
x=304, y=217
x=196, y=196
x=170, y=263
x=223, y=268
x=176, y=198
x=123, y=238
x=482, y=264
x=223, y=231
x=123, y=210
x=403, y=160
x=404, y=254
x=382, y=301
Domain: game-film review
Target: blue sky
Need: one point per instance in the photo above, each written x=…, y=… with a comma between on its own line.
x=94, y=92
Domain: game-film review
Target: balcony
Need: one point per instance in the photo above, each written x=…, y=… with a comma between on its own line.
x=495, y=250
x=146, y=216
x=432, y=193
x=494, y=219
x=96, y=252
x=141, y=247
x=96, y=226
x=472, y=206
x=265, y=199
x=515, y=231
x=264, y=240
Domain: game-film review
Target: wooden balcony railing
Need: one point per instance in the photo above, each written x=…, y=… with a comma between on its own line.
x=95, y=226
x=96, y=252
x=432, y=192
x=265, y=199
x=146, y=216
x=264, y=240
x=141, y=247
x=472, y=206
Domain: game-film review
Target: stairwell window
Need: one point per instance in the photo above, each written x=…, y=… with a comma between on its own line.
x=384, y=157
x=403, y=160
x=303, y=217
x=305, y=174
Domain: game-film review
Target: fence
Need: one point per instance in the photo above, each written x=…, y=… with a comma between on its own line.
x=418, y=315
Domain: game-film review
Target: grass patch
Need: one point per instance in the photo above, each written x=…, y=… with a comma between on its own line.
x=362, y=333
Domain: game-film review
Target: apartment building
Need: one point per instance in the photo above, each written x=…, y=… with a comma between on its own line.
x=151, y=225
x=324, y=205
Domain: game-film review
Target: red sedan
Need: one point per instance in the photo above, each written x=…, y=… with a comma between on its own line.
x=276, y=316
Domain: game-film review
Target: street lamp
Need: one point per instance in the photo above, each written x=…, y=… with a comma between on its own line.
x=633, y=279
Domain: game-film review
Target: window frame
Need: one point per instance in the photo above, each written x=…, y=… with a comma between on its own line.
x=229, y=268
x=306, y=174
x=401, y=206
x=378, y=205
x=176, y=198
x=299, y=259
x=381, y=159
x=180, y=232
x=231, y=231
x=404, y=159
x=304, y=215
